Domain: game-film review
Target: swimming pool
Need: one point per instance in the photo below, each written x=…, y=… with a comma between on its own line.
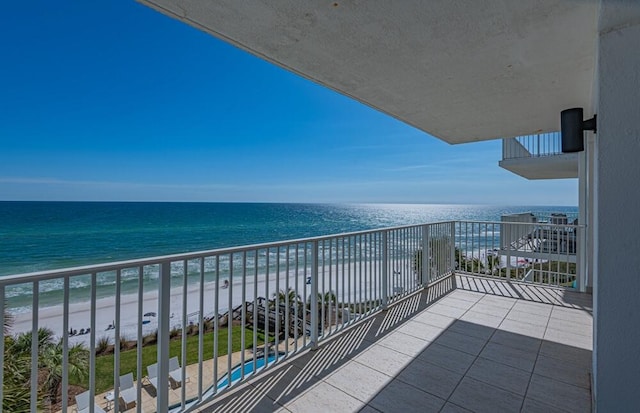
x=236, y=373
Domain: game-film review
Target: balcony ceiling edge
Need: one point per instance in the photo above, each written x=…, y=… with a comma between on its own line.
x=564, y=166
x=461, y=72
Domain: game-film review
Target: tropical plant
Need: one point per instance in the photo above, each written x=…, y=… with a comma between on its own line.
x=50, y=361
x=465, y=263
x=23, y=341
x=439, y=257
x=493, y=264
x=125, y=343
x=289, y=296
x=7, y=321
x=150, y=339
x=327, y=298
x=325, y=302
x=16, y=392
x=15, y=384
x=175, y=333
x=51, y=367
x=102, y=346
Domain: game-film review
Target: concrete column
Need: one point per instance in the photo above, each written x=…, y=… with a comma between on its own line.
x=616, y=365
x=582, y=269
x=590, y=211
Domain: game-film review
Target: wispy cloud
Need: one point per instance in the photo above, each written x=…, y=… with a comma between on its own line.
x=123, y=185
x=411, y=168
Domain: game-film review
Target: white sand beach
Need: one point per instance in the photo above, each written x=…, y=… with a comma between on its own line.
x=347, y=289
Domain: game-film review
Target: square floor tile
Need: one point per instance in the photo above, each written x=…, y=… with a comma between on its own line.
x=403, y=343
x=521, y=328
x=358, y=380
x=383, y=359
x=503, y=302
x=500, y=375
x=401, y=397
x=569, y=339
x=452, y=408
x=490, y=309
x=573, y=315
x=533, y=308
x=430, y=378
x=571, y=327
x=433, y=319
x=482, y=319
x=577, y=356
x=510, y=356
x=446, y=310
x=528, y=318
x=422, y=331
x=461, y=342
x=562, y=395
x=454, y=302
x=480, y=397
x=324, y=398
x=564, y=371
x=447, y=358
x=517, y=341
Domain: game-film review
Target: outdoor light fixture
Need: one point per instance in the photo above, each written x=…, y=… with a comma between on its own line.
x=572, y=127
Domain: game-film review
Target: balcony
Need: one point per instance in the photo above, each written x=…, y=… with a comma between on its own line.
x=538, y=157
x=441, y=314
x=473, y=344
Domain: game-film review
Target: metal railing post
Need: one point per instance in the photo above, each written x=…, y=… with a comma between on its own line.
x=453, y=247
x=425, y=266
x=34, y=349
x=581, y=262
x=2, y=346
x=164, y=303
x=508, y=241
x=314, y=295
x=385, y=270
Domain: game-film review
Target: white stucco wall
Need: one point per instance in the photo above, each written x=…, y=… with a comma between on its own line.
x=617, y=285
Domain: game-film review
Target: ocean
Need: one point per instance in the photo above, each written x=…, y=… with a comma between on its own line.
x=39, y=236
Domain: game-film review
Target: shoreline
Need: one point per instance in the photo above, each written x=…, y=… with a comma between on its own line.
x=356, y=289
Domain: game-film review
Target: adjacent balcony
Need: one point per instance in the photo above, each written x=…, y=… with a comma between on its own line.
x=450, y=315
x=538, y=157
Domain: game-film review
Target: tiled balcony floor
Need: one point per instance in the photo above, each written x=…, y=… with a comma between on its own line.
x=485, y=346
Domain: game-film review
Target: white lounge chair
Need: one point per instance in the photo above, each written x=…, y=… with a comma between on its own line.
x=127, y=391
x=175, y=373
x=152, y=375
x=82, y=403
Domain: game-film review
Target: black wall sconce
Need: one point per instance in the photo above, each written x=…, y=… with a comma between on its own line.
x=572, y=127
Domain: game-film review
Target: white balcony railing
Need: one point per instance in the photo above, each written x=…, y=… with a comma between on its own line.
x=242, y=310
x=532, y=146
x=540, y=253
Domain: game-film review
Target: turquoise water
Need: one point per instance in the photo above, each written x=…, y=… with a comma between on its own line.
x=247, y=367
x=38, y=236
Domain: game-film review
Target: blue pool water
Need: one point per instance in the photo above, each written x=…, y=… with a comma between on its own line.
x=236, y=373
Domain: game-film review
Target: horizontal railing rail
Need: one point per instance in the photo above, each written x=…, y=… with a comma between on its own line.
x=532, y=146
x=203, y=322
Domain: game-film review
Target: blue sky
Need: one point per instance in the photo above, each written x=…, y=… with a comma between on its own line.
x=114, y=101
